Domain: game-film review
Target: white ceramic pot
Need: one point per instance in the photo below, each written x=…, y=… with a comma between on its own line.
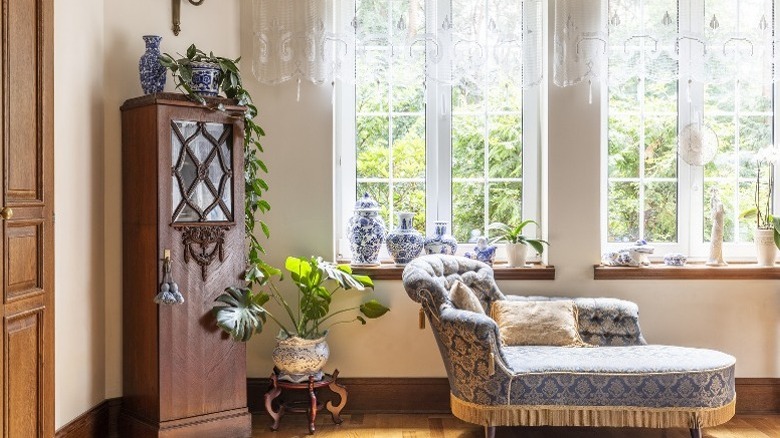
x=766, y=250
x=297, y=358
x=516, y=254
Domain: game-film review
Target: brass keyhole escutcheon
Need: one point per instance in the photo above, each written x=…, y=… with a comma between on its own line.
x=7, y=213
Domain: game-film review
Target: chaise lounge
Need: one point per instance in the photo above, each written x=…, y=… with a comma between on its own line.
x=623, y=382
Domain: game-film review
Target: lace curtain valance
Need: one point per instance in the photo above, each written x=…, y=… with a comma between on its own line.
x=722, y=40
x=317, y=40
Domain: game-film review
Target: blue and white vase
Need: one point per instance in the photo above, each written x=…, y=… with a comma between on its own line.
x=440, y=242
x=152, y=74
x=366, y=232
x=205, y=78
x=405, y=243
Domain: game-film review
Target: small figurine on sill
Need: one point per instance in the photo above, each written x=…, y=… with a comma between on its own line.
x=634, y=256
x=483, y=252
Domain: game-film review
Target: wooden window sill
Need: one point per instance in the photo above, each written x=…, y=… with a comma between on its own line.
x=691, y=271
x=388, y=271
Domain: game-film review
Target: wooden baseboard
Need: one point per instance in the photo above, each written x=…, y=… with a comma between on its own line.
x=375, y=395
x=98, y=422
x=432, y=395
x=395, y=395
x=758, y=396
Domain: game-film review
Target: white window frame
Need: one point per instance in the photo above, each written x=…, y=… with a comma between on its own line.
x=690, y=179
x=438, y=177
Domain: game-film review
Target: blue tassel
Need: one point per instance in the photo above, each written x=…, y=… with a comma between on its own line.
x=169, y=291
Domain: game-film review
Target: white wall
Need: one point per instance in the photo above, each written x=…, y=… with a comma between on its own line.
x=739, y=317
x=78, y=191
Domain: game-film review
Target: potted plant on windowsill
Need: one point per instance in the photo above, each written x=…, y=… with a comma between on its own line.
x=516, y=243
x=301, y=348
x=766, y=237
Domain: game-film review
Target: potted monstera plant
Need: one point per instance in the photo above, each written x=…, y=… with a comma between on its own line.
x=301, y=349
x=515, y=242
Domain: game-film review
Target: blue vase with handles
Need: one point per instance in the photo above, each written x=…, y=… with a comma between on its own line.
x=405, y=243
x=441, y=242
x=152, y=74
x=366, y=232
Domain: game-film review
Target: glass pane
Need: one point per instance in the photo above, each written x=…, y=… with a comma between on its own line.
x=661, y=146
x=468, y=210
x=755, y=133
x=373, y=153
x=409, y=147
x=505, y=202
x=372, y=86
x=624, y=146
x=411, y=197
x=661, y=97
x=372, y=16
x=202, y=161
x=727, y=195
x=747, y=200
x=468, y=147
x=719, y=97
x=506, y=95
x=623, y=220
x=755, y=96
x=381, y=194
x=505, y=156
x=623, y=98
x=408, y=80
x=661, y=212
x=724, y=164
x=467, y=96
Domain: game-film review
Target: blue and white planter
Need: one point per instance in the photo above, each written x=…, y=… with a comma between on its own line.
x=205, y=78
x=405, y=243
x=366, y=232
x=150, y=71
x=441, y=242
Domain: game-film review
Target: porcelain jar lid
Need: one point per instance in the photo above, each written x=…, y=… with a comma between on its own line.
x=366, y=203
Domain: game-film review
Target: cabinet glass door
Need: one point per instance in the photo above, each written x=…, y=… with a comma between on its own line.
x=202, y=173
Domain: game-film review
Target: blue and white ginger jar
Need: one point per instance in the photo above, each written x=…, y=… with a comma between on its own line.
x=366, y=232
x=405, y=243
x=441, y=242
x=151, y=72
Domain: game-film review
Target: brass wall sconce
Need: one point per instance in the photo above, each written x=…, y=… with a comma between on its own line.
x=176, y=6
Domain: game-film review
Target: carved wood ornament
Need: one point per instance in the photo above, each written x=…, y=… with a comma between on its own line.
x=204, y=244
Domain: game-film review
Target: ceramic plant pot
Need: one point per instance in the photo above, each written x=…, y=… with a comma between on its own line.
x=516, y=254
x=297, y=358
x=205, y=78
x=766, y=250
x=404, y=243
x=150, y=71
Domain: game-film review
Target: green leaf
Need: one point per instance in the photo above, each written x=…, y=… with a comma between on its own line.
x=239, y=314
x=373, y=309
x=192, y=51
x=364, y=280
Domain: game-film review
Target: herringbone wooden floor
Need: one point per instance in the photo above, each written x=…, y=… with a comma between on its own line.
x=446, y=426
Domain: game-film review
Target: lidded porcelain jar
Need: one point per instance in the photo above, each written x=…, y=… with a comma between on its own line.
x=441, y=242
x=366, y=232
x=405, y=243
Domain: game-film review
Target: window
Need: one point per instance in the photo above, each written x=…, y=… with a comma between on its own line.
x=678, y=69
x=438, y=120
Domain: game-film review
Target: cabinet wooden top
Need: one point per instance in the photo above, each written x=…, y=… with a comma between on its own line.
x=179, y=99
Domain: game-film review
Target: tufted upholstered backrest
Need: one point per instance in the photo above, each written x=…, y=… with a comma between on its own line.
x=428, y=280
x=602, y=321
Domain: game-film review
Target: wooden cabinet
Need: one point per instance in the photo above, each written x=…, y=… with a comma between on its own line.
x=182, y=194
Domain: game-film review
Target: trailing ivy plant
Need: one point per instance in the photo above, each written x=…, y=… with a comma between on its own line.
x=231, y=85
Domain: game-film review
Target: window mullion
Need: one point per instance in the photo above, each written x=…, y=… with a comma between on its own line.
x=438, y=123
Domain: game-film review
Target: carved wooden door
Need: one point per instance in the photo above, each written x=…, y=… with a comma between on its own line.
x=26, y=220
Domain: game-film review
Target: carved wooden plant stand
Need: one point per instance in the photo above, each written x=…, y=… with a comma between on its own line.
x=310, y=406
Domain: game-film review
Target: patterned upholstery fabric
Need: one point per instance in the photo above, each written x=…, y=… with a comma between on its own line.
x=622, y=372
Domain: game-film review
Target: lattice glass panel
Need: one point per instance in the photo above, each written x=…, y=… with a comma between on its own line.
x=202, y=171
